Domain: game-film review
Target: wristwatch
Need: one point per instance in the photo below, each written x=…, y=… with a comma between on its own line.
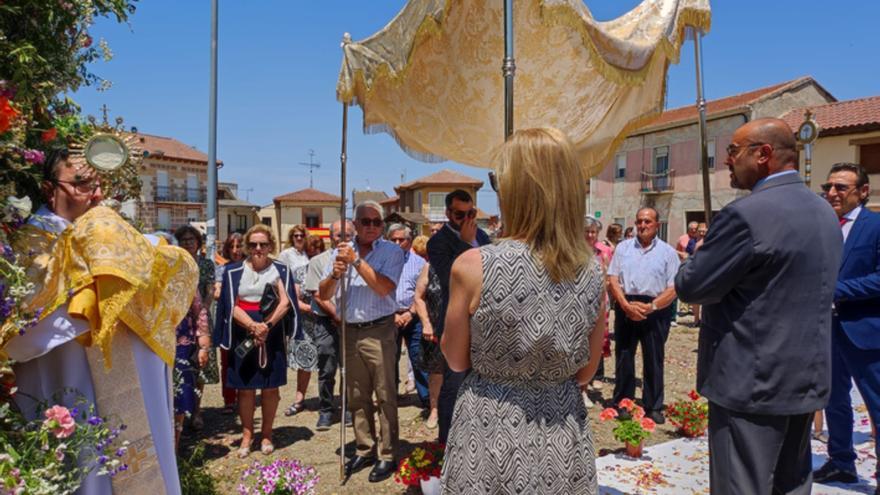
x=653, y=306
x=356, y=263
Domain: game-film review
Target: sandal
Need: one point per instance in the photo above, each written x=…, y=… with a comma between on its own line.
x=267, y=448
x=431, y=423
x=243, y=452
x=294, y=408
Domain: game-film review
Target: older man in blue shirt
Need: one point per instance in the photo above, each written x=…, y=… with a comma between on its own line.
x=372, y=268
x=641, y=280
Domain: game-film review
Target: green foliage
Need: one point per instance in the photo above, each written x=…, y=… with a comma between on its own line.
x=194, y=478
x=630, y=431
x=45, y=51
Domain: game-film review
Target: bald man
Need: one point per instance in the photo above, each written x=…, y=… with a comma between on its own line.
x=765, y=276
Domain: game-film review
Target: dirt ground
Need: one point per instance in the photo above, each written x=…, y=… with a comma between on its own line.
x=295, y=437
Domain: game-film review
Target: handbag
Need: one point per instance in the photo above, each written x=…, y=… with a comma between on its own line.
x=268, y=303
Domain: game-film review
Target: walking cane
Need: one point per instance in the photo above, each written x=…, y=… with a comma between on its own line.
x=342, y=298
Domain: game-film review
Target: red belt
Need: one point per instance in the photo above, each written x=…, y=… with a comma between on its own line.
x=247, y=305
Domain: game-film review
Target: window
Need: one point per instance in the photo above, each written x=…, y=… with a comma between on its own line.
x=242, y=223
x=163, y=216
x=869, y=158
x=312, y=218
x=267, y=221
x=192, y=215
x=437, y=206
x=192, y=188
x=710, y=146
x=663, y=230
x=661, y=169
x=620, y=166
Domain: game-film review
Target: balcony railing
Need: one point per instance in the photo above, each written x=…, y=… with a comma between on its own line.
x=658, y=182
x=436, y=214
x=180, y=194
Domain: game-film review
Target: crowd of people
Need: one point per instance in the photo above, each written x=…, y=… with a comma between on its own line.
x=505, y=334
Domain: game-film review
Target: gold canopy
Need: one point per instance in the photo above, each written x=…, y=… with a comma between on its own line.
x=432, y=77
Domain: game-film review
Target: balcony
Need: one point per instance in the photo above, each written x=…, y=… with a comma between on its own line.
x=170, y=194
x=436, y=213
x=658, y=182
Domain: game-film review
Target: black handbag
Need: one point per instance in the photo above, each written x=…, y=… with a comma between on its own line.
x=268, y=303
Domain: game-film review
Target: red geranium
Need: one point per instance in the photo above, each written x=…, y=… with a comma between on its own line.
x=49, y=135
x=7, y=114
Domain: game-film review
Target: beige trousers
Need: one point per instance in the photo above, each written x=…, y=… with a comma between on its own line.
x=370, y=358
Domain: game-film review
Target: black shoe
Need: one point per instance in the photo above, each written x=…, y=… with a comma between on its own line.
x=382, y=471
x=829, y=473
x=325, y=420
x=357, y=463
x=348, y=421
x=657, y=416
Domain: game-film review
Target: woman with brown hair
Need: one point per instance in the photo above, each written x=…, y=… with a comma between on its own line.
x=525, y=316
x=258, y=360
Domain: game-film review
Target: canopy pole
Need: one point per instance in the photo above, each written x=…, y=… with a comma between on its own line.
x=342, y=296
x=701, y=107
x=508, y=68
x=211, y=210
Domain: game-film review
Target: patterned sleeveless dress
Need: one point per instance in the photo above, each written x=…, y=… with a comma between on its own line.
x=520, y=425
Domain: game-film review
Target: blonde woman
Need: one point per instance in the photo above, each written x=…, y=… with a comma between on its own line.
x=239, y=319
x=524, y=316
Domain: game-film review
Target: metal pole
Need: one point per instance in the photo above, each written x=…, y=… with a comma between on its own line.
x=508, y=68
x=342, y=296
x=211, y=223
x=704, y=147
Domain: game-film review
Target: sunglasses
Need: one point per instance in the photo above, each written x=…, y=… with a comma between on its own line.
x=841, y=188
x=734, y=149
x=493, y=181
x=370, y=222
x=398, y=240
x=298, y=236
x=260, y=245
x=460, y=215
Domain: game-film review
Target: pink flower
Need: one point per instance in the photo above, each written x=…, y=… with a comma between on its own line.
x=627, y=404
x=59, y=420
x=638, y=413
x=648, y=424
x=608, y=413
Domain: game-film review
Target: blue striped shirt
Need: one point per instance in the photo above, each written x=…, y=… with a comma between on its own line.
x=363, y=303
x=644, y=271
x=406, y=286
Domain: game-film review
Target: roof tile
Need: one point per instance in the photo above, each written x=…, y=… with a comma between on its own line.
x=841, y=116
x=309, y=195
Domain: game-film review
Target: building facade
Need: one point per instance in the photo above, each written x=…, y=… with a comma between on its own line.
x=427, y=195
x=310, y=207
x=174, y=180
x=233, y=214
x=659, y=164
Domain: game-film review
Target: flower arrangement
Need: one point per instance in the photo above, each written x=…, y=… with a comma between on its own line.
x=690, y=416
x=631, y=430
x=55, y=453
x=422, y=463
x=280, y=477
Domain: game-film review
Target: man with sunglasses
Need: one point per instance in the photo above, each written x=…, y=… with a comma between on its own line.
x=372, y=268
x=458, y=235
x=765, y=275
x=855, y=331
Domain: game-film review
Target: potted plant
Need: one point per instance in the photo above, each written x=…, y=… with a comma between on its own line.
x=422, y=468
x=632, y=429
x=691, y=416
x=279, y=477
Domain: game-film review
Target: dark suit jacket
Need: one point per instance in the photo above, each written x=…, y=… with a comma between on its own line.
x=857, y=294
x=765, y=276
x=443, y=248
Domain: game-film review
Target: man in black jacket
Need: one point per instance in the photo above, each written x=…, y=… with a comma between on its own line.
x=457, y=236
x=765, y=276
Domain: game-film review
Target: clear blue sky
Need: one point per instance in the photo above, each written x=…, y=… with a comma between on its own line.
x=279, y=62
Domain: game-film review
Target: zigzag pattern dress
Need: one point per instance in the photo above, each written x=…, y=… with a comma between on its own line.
x=520, y=425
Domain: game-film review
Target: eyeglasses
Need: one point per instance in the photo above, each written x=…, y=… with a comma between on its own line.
x=370, y=222
x=493, y=181
x=841, y=188
x=298, y=236
x=258, y=245
x=460, y=215
x=734, y=149
x=81, y=186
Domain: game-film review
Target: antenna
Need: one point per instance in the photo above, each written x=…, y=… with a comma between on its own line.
x=312, y=166
x=247, y=193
